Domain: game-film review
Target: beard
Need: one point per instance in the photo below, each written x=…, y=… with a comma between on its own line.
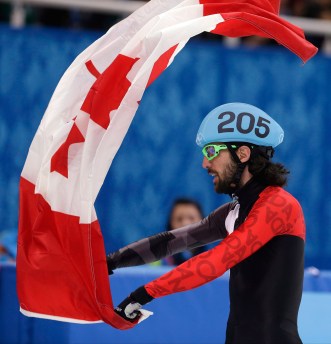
x=225, y=185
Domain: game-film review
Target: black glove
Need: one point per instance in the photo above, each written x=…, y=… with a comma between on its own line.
x=129, y=308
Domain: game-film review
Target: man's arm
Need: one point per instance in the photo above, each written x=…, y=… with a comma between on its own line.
x=208, y=230
x=275, y=213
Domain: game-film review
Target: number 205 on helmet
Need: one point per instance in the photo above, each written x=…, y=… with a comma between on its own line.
x=239, y=122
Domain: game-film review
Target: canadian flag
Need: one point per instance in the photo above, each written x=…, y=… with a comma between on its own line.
x=61, y=264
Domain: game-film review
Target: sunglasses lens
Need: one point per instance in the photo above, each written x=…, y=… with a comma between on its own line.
x=210, y=151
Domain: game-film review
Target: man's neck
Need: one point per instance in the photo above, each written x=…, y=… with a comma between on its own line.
x=245, y=177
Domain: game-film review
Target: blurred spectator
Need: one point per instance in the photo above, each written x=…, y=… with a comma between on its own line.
x=8, y=245
x=52, y=17
x=78, y=19
x=184, y=211
x=318, y=9
x=292, y=7
x=62, y=17
x=75, y=19
x=95, y=21
x=4, y=12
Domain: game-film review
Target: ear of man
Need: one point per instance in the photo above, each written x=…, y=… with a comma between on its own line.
x=244, y=153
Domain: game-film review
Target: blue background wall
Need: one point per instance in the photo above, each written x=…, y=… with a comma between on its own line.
x=159, y=160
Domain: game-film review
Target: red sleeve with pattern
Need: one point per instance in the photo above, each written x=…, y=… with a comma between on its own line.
x=276, y=212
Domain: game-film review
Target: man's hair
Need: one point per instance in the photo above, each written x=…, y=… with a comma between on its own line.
x=268, y=172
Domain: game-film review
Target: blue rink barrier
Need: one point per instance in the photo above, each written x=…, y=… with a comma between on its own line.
x=197, y=316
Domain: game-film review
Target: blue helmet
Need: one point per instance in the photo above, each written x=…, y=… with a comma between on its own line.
x=239, y=122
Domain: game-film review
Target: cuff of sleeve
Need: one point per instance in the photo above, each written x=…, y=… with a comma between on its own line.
x=141, y=296
x=110, y=265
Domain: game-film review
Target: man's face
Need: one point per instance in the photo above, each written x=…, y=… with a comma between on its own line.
x=222, y=168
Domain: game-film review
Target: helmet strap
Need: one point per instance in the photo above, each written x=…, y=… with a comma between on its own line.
x=240, y=167
x=266, y=152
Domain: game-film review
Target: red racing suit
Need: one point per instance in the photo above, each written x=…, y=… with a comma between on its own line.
x=263, y=246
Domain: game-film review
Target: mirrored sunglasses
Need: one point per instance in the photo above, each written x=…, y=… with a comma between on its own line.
x=212, y=150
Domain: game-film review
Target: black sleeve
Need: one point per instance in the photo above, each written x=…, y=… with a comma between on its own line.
x=148, y=250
